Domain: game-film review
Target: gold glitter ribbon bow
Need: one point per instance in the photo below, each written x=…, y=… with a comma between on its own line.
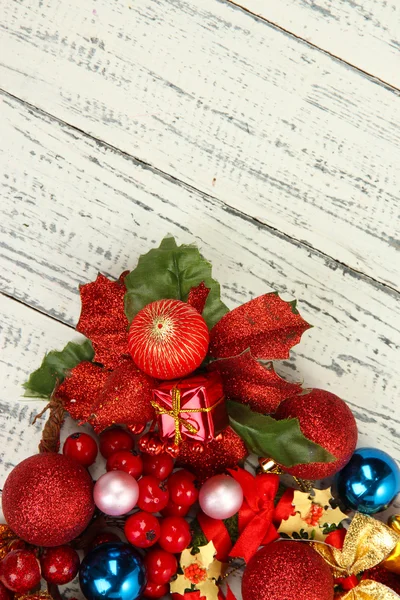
x=176, y=411
x=367, y=543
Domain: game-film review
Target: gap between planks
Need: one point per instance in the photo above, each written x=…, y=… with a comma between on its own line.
x=234, y=211
x=310, y=44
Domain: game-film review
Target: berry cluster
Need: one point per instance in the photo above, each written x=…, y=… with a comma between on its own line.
x=165, y=497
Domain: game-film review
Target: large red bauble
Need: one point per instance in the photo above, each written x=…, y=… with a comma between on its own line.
x=48, y=499
x=326, y=420
x=287, y=570
x=168, y=339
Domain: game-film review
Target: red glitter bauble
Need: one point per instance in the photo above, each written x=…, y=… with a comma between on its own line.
x=226, y=451
x=48, y=499
x=287, y=571
x=326, y=420
x=168, y=339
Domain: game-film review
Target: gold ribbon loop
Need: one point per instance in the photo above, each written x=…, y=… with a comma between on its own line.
x=176, y=411
x=367, y=543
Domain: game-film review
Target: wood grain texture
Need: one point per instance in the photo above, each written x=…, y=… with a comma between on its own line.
x=364, y=34
x=230, y=105
x=72, y=206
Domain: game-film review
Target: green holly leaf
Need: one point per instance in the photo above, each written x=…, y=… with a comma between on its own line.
x=170, y=271
x=283, y=441
x=54, y=368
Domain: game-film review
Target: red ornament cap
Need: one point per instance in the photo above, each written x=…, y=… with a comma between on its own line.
x=284, y=570
x=168, y=339
x=326, y=420
x=48, y=499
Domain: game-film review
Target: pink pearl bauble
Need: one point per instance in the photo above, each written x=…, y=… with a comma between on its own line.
x=221, y=497
x=116, y=493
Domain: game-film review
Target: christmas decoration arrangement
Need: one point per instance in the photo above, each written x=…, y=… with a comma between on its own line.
x=177, y=391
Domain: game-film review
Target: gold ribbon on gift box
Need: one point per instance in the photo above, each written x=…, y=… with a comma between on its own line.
x=176, y=411
x=368, y=543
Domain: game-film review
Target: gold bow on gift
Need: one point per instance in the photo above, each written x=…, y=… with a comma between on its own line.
x=367, y=543
x=176, y=411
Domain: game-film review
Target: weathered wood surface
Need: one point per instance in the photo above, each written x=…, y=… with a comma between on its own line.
x=228, y=104
x=123, y=121
x=72, y=206
x=364, y=34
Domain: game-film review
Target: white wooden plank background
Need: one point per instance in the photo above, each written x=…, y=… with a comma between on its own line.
x=228, y=104
x=123, y=121
x=364, y=34
x=97, y=209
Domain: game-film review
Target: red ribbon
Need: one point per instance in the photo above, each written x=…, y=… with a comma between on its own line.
x=347, y=583
x=284, y=509
x=215, y=530
x=336, y=538
x=256, y=516
x=257, y=512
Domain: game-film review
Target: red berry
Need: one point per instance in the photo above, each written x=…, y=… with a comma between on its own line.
x=160, y=466
x=81, y=447
x=175, y=534
x=5, y=594
x=60, y=564
x=142, y=529
x=20, y=571
x=175, y=510
x=182, y=489
x=160, y=565
x=168, y=339
x=153, y=495
x=127, y=461
x=154, y=590
x=104, y=538
x=115, y=439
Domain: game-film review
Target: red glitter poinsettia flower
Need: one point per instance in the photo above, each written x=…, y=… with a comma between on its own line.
x=113, y=390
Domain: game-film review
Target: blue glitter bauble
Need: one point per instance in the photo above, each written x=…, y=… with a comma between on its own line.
x=112, y=571
x=369, y=482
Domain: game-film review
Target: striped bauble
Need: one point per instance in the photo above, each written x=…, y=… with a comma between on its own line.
x=168, y=339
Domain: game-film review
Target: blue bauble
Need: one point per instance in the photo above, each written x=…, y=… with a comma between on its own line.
x=369, y=482
x=112, y=571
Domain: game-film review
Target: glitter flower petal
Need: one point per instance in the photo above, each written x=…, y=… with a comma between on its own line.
x=103, y=319
x=267, y=325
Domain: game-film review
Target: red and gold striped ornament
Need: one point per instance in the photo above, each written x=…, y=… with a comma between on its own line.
x=168, y=339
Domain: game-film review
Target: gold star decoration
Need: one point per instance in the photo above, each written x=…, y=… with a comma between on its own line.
x=313, y=513
x=200, y=570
